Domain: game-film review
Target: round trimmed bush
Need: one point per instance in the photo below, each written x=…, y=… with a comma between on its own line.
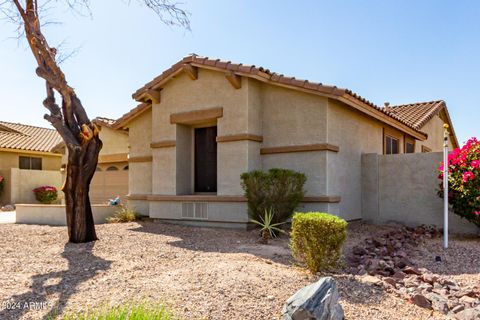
x=317, y=239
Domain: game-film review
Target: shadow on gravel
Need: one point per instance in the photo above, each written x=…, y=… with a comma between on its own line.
x=356, y=292
x=220, y=240
x=82, y=265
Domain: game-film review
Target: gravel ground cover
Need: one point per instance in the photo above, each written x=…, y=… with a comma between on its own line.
x=200, y=273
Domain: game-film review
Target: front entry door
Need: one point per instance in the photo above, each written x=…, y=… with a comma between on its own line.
x=206, y=159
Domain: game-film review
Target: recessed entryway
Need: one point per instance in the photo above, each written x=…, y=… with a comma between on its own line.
x=205, y=159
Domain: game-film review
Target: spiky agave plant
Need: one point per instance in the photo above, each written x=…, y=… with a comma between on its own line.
x=268, y=230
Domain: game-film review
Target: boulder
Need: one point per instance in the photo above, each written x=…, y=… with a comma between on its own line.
x=8, y=207
x=317, y=301
x=469, y=314
x=421, y=301
x=439, y=303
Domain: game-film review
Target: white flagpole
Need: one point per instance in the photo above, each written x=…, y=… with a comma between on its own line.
x=445, y=187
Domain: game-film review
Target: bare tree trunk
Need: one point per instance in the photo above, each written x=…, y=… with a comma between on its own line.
x=80, y=170
x=72, y=123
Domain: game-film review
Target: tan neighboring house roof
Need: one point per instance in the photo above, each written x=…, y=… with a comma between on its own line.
x=259, y=73
x=107, y=122
x=418, y=114
x=28, y=138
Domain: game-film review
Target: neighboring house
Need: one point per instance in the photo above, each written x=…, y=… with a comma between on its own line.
x=27, y=161
x=428, y=117
x=111, y=177
x=204, y=122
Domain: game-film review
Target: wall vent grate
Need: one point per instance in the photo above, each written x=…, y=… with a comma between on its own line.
x=197, y=210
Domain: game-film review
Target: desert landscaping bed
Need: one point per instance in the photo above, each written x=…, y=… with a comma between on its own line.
x=200, y=273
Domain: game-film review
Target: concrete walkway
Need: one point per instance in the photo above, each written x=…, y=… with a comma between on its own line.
x=7, y=217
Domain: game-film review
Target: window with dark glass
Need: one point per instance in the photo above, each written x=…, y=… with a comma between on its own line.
x=409, y=147
x=391, y=145
x=30, y=163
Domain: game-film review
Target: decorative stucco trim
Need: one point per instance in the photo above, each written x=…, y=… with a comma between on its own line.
x=117, y=157
x=137, y=196
x=31, y=152
x=327, y=199
x=300, y=148
x=140, y=159
x=163, y=144
x=215, y=198
x=196, y=116
x=196, y=198
x=240, y=137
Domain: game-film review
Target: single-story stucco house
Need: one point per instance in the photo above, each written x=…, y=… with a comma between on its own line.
x=203, y=122
x=111, y=177
x=27, y=160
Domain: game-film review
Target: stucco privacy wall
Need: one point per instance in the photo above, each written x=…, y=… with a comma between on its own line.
x=6, y=194
x=55, y=214
x=403, y=189
x=22, y=182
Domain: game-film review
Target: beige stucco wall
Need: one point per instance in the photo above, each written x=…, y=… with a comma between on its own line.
x=22, y=182
x=354, y=134
x=434, y=130
x=140, y=173
x=55, y=214
x=114, y=141
x=402, y=189
x=291, y=117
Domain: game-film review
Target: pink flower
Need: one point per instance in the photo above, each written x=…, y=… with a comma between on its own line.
x=475, y=164
x=468, y=175
x=477, y=213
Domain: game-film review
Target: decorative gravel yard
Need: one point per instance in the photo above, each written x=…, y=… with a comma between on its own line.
x=199, y=273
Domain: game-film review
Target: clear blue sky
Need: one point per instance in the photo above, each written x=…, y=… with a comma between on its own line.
x=396, y=51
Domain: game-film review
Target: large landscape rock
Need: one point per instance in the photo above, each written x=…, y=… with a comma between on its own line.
x=317, y=301
x=469, y=314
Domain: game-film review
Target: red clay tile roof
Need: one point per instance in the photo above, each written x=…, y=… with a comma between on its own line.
x=416, y=114
x=28, y=138
x=419, y=113
x=265, y=75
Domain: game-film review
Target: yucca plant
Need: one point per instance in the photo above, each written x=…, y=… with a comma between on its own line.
x=268, y=229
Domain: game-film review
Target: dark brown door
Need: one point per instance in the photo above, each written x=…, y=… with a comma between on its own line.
x=206, y=159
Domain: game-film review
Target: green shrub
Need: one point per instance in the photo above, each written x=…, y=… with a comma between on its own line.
x=123, y=214
x=280, y=190
x=126, y=312
x=317, y=239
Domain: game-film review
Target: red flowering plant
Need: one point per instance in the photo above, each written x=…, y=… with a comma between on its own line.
x=46, y=194
x=2, y=184
x=464, y=181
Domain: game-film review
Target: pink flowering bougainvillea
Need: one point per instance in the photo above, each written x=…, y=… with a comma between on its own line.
x=464, y=181
x=46, y=194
